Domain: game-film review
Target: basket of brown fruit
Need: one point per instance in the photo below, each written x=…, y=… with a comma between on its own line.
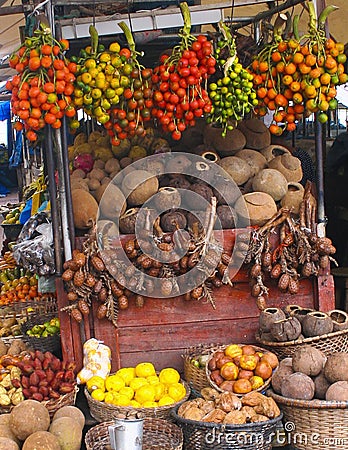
x=311, y=390
x=241, y=369
x=221, y=421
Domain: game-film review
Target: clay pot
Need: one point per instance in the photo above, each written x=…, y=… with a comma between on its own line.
x=202, y=170
x=258, y=207
x=226, y=217
x=203, y=196
x=178, y=164
x=255, y=160
x=272, y=151
x=286, y=330
x=339, y=319
x=316, y=323
x=167, y=198
x=237, y=168
x=138, y=186
x=272, y=182
x=268, y=316
x=173, y=220
x=210, y=156
x=301, y=313
x=289, y=308
x=225, y=191
x=225, y=146
x=289, y=166
x=256, y=133
x=293, y=197
x=177, y=181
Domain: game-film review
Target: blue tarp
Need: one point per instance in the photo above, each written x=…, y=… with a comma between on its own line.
x=5, y=110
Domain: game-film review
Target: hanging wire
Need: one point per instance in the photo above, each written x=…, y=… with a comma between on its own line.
x=94, y=13
x=129, y=17
x=232, y=12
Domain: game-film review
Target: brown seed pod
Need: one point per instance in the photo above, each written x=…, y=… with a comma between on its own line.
x=141, y=258
x=149, y=286
x=324, y=262
x=221, y=269
x=211, y=259
x=283, y=282
x=101, y=311
x=103, y=293
x=193, y=260
x=217, y=282
x=123, y=302
x=261, y=302
x=256, y=290
x=83, y=307
x=79, y=258
x=242, y=246
x=266, y=259
x=129, y=272
x=255, y=271
x=244, y=237
x=187, y=297
x=197, y=292
x=225, y=258
x=191, y=247
x=184, y=262
x=97, y=287
x=132, y=282
x=79, y=278
x=146, y=263
x=147, y=247
x=97, y=263
x=68, y=275
x=133, y=254
x=71, y=296
x=294, y=286
x=239, y=255
x=153, y=272
x=76, y=315
x=156, y=264
x=116, y=290
x=166, y=246
x=276, y=271
x=129, y=246
x=121, y=279
x=90, y=280
x=166, y=287
x=289, y=239
x=139, y=301
x=307, y=269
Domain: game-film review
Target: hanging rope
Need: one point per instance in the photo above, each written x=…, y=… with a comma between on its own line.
x=129, y=17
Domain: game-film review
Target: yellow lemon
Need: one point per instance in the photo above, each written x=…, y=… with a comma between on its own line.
x=177, y=391
x=127, y=373
x=96, y=383
x=109, y=398
x=121, y=400
x=166, y=400
x=98, y=394
x=153, y=379
x=160, y=391
x=169, y=376
x=114, y=383
x=135, y=404
x=136, y=383
x=127, y=391
x=145, y=394
x=149, y=405
x=145, y=369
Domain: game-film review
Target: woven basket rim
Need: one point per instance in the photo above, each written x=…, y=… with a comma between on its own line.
x=308, y=340
x=154, y=411
x=307, y=404
x=222, y=426
x=260, y=389
x=193, y=349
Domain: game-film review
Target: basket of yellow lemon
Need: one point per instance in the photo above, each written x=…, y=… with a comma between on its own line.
x=140, y=389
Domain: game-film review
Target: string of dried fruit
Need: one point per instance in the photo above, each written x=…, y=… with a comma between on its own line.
x=300, y=253
x=179, y=97
x=42, y=88
x=86, y=280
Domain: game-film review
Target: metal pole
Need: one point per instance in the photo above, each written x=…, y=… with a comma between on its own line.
x=66, y=172
x=53, y=199
x=320, y=170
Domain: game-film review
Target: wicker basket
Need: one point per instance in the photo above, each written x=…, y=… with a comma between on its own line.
x=328, y=344
x=215, y=386
x=214, y=436
x=23, y=310
x=102, y=412
x=158, y=434
x=49, y=343
x=196, y=376
x=314, y=424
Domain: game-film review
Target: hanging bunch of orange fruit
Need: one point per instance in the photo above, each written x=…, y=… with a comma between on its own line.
x=42, y=88
x=299, y=75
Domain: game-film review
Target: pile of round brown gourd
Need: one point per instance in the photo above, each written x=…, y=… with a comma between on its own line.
x=227, y=408
x=310, y=374
x=29, y=427
x=294, y=323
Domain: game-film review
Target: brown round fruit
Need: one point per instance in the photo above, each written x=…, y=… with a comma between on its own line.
x=227, y=386
x=229, y=371
x=248, y=362
x=236, y=360
x=242, y=386
x=248, y=350
x=223, y=360
x=263, y=370
x=271, y=359
x=245, y=374
x=216, y=377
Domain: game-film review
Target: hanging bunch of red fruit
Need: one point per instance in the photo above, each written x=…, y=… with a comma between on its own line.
x=299, y=75
x=179, y=97
x=42, y=88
